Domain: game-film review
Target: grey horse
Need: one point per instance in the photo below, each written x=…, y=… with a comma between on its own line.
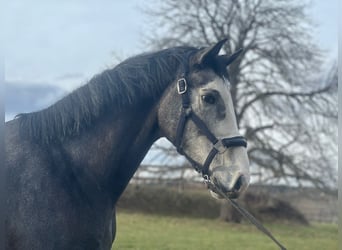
x=67, y=165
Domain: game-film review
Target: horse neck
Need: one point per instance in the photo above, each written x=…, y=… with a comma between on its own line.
x=109, y=153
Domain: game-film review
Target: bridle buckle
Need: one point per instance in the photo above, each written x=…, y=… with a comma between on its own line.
x=182, y=86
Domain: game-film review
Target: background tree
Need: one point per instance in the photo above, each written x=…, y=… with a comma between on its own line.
x=284, y=105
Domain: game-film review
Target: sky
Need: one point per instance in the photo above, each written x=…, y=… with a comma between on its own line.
x=52, y=47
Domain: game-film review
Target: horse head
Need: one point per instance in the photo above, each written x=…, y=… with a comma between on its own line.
x=196, y=114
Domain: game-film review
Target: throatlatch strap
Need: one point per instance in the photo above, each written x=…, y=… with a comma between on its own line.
x=180, y=130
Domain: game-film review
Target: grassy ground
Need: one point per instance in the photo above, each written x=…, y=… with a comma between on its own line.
x=148, y=232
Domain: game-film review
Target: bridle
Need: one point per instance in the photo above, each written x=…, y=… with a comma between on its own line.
x=219, y=146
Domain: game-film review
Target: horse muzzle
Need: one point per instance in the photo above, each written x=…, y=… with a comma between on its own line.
x=233, y=185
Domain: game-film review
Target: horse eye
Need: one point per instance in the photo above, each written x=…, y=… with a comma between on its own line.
x=209, y=98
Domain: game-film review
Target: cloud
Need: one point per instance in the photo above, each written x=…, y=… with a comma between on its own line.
x=27, y=97
x=46, y=39
x=69, y=76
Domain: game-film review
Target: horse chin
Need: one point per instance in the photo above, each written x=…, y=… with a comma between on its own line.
x=215, y=195
x=230, y=195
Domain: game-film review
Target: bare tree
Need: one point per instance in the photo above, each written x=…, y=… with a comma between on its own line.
x=284, y=105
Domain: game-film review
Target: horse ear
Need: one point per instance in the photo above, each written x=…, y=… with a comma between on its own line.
x=208, y=54
x=229, y=59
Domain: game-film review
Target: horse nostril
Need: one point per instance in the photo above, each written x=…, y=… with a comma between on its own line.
x=238, y=183
x=235, y=188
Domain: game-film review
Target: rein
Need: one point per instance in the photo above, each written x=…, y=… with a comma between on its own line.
x=243, y=211
x=219, y=146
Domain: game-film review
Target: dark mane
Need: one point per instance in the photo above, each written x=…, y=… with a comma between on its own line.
x=137, y=78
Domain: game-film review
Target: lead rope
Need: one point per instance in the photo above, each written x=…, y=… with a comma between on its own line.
x=243, y=211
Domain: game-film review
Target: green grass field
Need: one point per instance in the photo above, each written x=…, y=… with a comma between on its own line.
x=148, y=232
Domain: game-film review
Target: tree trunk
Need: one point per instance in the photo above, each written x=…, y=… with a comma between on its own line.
x=229, y=213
